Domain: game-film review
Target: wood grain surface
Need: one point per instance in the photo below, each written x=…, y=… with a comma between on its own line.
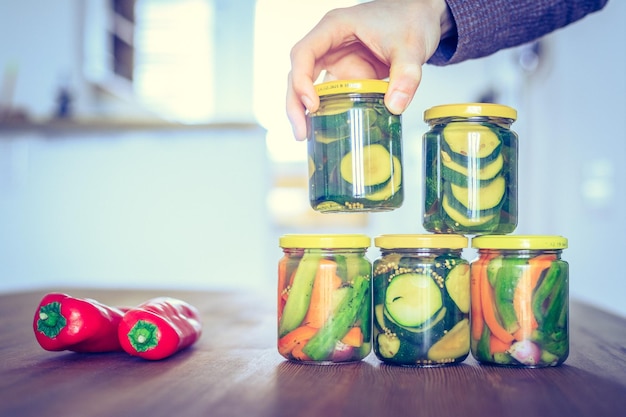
x=235, y=370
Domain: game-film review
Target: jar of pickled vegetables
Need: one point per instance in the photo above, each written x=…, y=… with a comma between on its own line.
x=354, y=149
x=470, y=169
x=520, y=301
x=421, y=300
x=324, y=298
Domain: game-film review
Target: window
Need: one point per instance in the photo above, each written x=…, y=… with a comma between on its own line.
x=279, y=25
x=157, y=52
x=173, y=58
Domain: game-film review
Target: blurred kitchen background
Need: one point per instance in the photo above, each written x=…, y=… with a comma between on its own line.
x=144, y=143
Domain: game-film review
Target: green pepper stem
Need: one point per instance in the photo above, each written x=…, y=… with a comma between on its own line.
x=51, y=321
x=143, y=336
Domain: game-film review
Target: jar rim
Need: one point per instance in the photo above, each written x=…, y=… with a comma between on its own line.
x=325, y=241
x=547, y=242
x=470, y=110
x=417, y=241
x=351, y=86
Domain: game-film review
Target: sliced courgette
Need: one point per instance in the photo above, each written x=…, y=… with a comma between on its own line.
x=458, y=286
x=460, y=174
x=311, y=167
x=463, y=141
x=388, y=345
x=392, y=186
x=379, y=317
x=411, y=299
x=467, y=218
x=480, y=198
x=367, y=166
x=431, y=329
x=454, y=345
x=329, y=128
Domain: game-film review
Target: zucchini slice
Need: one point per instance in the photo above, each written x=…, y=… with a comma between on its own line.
x=463, y=141
x=330, y=128
x=458, y=286
x=454, y=345
x=431, y=329
x=467, y=219
x=311, y=167
x=379, y=317
x=388, y=345
x=480, y=198
x=459, y=174
x=411, y=299
x=341, y=123
x=367, y=166
x=392, y=186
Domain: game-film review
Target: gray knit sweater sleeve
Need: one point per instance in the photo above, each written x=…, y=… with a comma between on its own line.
x=487, y=26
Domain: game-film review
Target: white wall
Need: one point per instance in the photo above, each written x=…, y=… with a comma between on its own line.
x=40, y=41
x=138, y=208
x=576, y=107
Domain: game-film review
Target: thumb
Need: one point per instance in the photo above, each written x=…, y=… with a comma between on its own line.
x=404, y=78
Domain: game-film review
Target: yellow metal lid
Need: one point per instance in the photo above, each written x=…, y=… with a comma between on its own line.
x=470, y=110
x=319, y=241
x=519, y=242
x=430, y=241
x=351, y=86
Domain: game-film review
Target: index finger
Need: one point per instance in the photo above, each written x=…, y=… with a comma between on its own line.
x=307, y=62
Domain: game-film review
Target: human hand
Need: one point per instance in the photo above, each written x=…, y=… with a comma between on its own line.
x=376, y=40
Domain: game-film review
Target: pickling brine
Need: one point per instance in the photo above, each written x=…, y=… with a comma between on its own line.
x=520, y=301
x=324, y=298
x=421, y=300
x=354, y=149
x=470, y=169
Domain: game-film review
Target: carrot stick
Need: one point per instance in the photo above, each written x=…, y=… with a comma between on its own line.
x=522, y=297
x=298, y=335
x=298, y=353
x=489, y=314
x=354, y=337
x=476, y=309
x=282, y=280
x=320, y=306
x=497, y=346
x=538, y=264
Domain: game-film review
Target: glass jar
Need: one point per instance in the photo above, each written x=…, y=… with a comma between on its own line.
x=470, y=169
x=520, y=301
x=354, y=149
x=421, y=300
x=324, y=298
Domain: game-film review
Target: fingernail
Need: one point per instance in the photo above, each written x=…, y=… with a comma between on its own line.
x=308, y=103
x=398, y=101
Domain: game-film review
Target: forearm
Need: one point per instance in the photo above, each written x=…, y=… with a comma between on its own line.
x=482, y=27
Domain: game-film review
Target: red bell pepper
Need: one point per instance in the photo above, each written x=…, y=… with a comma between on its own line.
x=159, y=328
x=63, y=322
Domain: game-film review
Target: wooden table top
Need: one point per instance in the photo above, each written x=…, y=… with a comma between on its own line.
x=235, y=370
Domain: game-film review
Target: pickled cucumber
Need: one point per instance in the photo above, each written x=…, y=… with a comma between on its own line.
x=356, y=156
x=411, y=299
x=367, y=166
x=471, y=179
